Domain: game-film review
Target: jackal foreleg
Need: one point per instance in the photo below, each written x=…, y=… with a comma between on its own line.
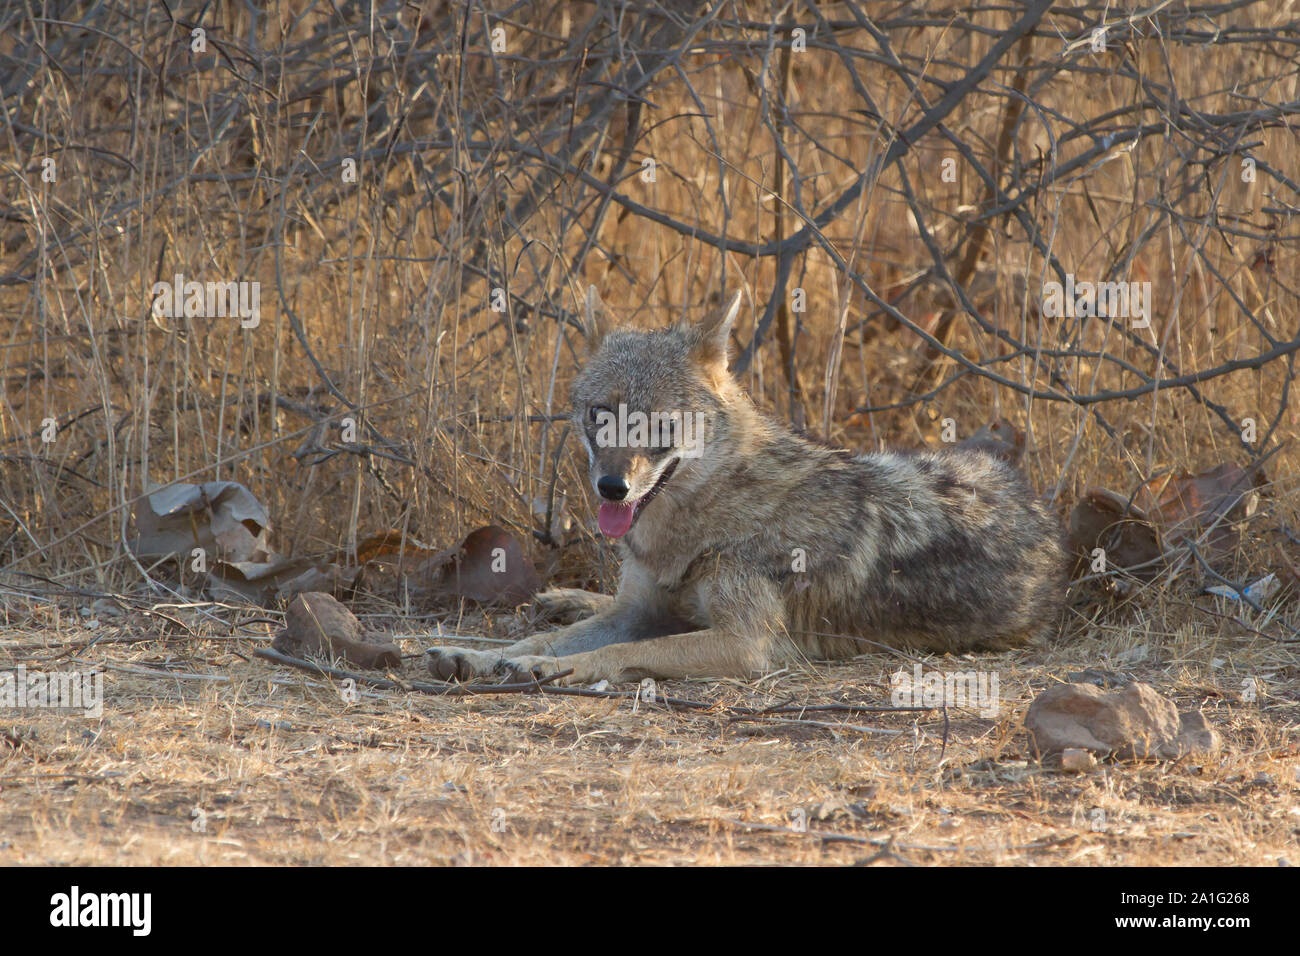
x=747, y=637
x=639, y=611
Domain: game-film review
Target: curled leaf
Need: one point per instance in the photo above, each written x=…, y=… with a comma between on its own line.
x=220, y=517
x=489, y=567
x=1105, y=520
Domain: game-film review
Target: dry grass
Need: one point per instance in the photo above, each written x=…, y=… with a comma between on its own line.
x=285, y=772
x=481, y=171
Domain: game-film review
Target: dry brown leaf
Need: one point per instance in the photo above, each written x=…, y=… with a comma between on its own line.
x=1185, y=503
x=1103, y=519
x=489, y=567
x=389, y=542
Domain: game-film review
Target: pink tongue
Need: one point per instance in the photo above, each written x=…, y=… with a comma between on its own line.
x=615, y=518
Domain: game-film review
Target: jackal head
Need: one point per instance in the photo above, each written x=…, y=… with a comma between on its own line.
x=649, y=406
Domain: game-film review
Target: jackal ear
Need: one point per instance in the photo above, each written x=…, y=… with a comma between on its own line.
x=596, y=323
x=712, y=335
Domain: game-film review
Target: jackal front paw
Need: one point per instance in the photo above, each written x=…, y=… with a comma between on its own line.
x=463, y=664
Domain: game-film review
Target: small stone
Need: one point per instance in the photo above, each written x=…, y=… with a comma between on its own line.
x=267, y=725
x=1133, y=723
x=1076, y=760
x=106, y=609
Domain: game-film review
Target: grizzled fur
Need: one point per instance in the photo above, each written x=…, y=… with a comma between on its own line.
x=769, y=548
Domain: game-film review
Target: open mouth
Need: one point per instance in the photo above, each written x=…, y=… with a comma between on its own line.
x=616, y=518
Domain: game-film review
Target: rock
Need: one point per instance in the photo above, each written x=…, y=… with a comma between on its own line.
x=1076, y=761
x=106, y=609
x=1133, y=723
x=318, y=624
x=267, y=725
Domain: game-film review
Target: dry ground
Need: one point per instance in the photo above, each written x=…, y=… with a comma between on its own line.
x=483, y=170
x=235, y=761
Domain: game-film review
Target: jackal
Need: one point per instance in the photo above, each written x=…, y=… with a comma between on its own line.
x=747, y=547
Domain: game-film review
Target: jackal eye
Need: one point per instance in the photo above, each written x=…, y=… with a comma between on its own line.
x=593, y=413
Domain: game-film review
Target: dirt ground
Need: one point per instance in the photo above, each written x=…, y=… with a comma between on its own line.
x=205, y=753
x=419, y=199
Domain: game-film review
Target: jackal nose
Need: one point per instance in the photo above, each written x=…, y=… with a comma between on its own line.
x=612, y=487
